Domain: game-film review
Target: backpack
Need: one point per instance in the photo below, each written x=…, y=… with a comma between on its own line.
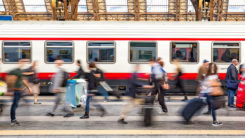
x=11, y=80
x=65, y=79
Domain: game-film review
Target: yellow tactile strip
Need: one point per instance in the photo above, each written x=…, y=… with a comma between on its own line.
x=120, y=132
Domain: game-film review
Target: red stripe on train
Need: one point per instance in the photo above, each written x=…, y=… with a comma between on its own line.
x=127, y=39
x=123, y=76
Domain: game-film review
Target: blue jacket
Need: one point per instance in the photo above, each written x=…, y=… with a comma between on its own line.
x=232, y=73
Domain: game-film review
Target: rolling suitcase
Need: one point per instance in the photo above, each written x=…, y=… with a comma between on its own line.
x=147, y=110
x=191, y=108
x=71, y=93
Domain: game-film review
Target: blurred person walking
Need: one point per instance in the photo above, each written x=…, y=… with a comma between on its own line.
x=158, y=79
x=59, y=81
x=104, y=88
x=93, y=78
x=202, y=72
x=179, y=81
x=16, y=80
x=240, y=100
x=211, y=89
x=232, y=82
x=80, y=72
x=133, y=101
x=34, y=82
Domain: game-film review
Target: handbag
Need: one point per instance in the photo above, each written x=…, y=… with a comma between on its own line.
x=165, y=86
x=36, y=81
x=218, y=102
x=232, y=84
x=217, y=91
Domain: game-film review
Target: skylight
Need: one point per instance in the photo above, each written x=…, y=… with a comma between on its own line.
x=157, y=5
x=1, y=6
x=117, y=5
x=35, y=5
x=190, y=7
x=236, y=6
x=82, y=6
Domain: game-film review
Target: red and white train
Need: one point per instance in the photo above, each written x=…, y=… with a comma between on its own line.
x=118, y=46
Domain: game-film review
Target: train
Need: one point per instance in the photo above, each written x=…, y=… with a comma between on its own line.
x=117, y=46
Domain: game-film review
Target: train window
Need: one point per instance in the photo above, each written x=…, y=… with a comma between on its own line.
x=157, y=5
x=82, y=6
x=35, y=5
x=59, y=50
x=225, y=52
x=116, y=5
x=101, y=52
x=2, y=8
x=142, y=51
x=184, y=51
x=13, y=51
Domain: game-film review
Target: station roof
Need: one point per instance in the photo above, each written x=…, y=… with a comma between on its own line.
x=125, y=10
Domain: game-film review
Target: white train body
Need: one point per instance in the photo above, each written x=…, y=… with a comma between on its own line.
x=205, y=34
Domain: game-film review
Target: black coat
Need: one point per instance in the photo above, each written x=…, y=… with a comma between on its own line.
x=232, y=73
x=99, y=71
x=31, y=78
x=133, y=85
x=80, y=73
x=92, y=80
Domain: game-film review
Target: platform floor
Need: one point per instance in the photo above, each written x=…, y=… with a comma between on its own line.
x=35, y=123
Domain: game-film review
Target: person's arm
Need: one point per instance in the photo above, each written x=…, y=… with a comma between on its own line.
x=77, y=75
x=233, y=74
x=58, y=81
x=27, y=85
x=28, y=73
x=214, y=83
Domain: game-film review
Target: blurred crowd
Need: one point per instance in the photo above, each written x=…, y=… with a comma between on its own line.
x=21, y=81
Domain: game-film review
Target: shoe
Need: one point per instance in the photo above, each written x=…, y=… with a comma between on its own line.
x=79, y=105
x=232, y=106
x=207, y=113
x=103, y=112
x=15, y=122
x=216, y=123
x=184, y=100
x=165, y=110
x=107, y=100
x=37, y=103
x=85, y=116
x=69, y=115
x=122, y=121
x=50, y=114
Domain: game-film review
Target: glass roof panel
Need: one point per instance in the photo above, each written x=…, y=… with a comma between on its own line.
x=157, y=5
x=236, y=6
x=117, y=5
x=82, y=6
x=1, y=6
x=35, y=5
x=190, y=7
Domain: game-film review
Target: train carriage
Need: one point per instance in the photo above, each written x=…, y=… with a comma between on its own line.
x=117, y=46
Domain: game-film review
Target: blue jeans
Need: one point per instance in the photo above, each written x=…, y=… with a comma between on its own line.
x=87, y=104
x=210, y=106
x=103, y=92
x=231, y=94
x=16, y=99
x=100, y=107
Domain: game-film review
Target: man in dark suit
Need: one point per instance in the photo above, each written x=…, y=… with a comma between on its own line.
x=232, y=82
x=133, y=101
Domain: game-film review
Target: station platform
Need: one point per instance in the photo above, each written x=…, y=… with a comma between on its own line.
x=35, y=123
